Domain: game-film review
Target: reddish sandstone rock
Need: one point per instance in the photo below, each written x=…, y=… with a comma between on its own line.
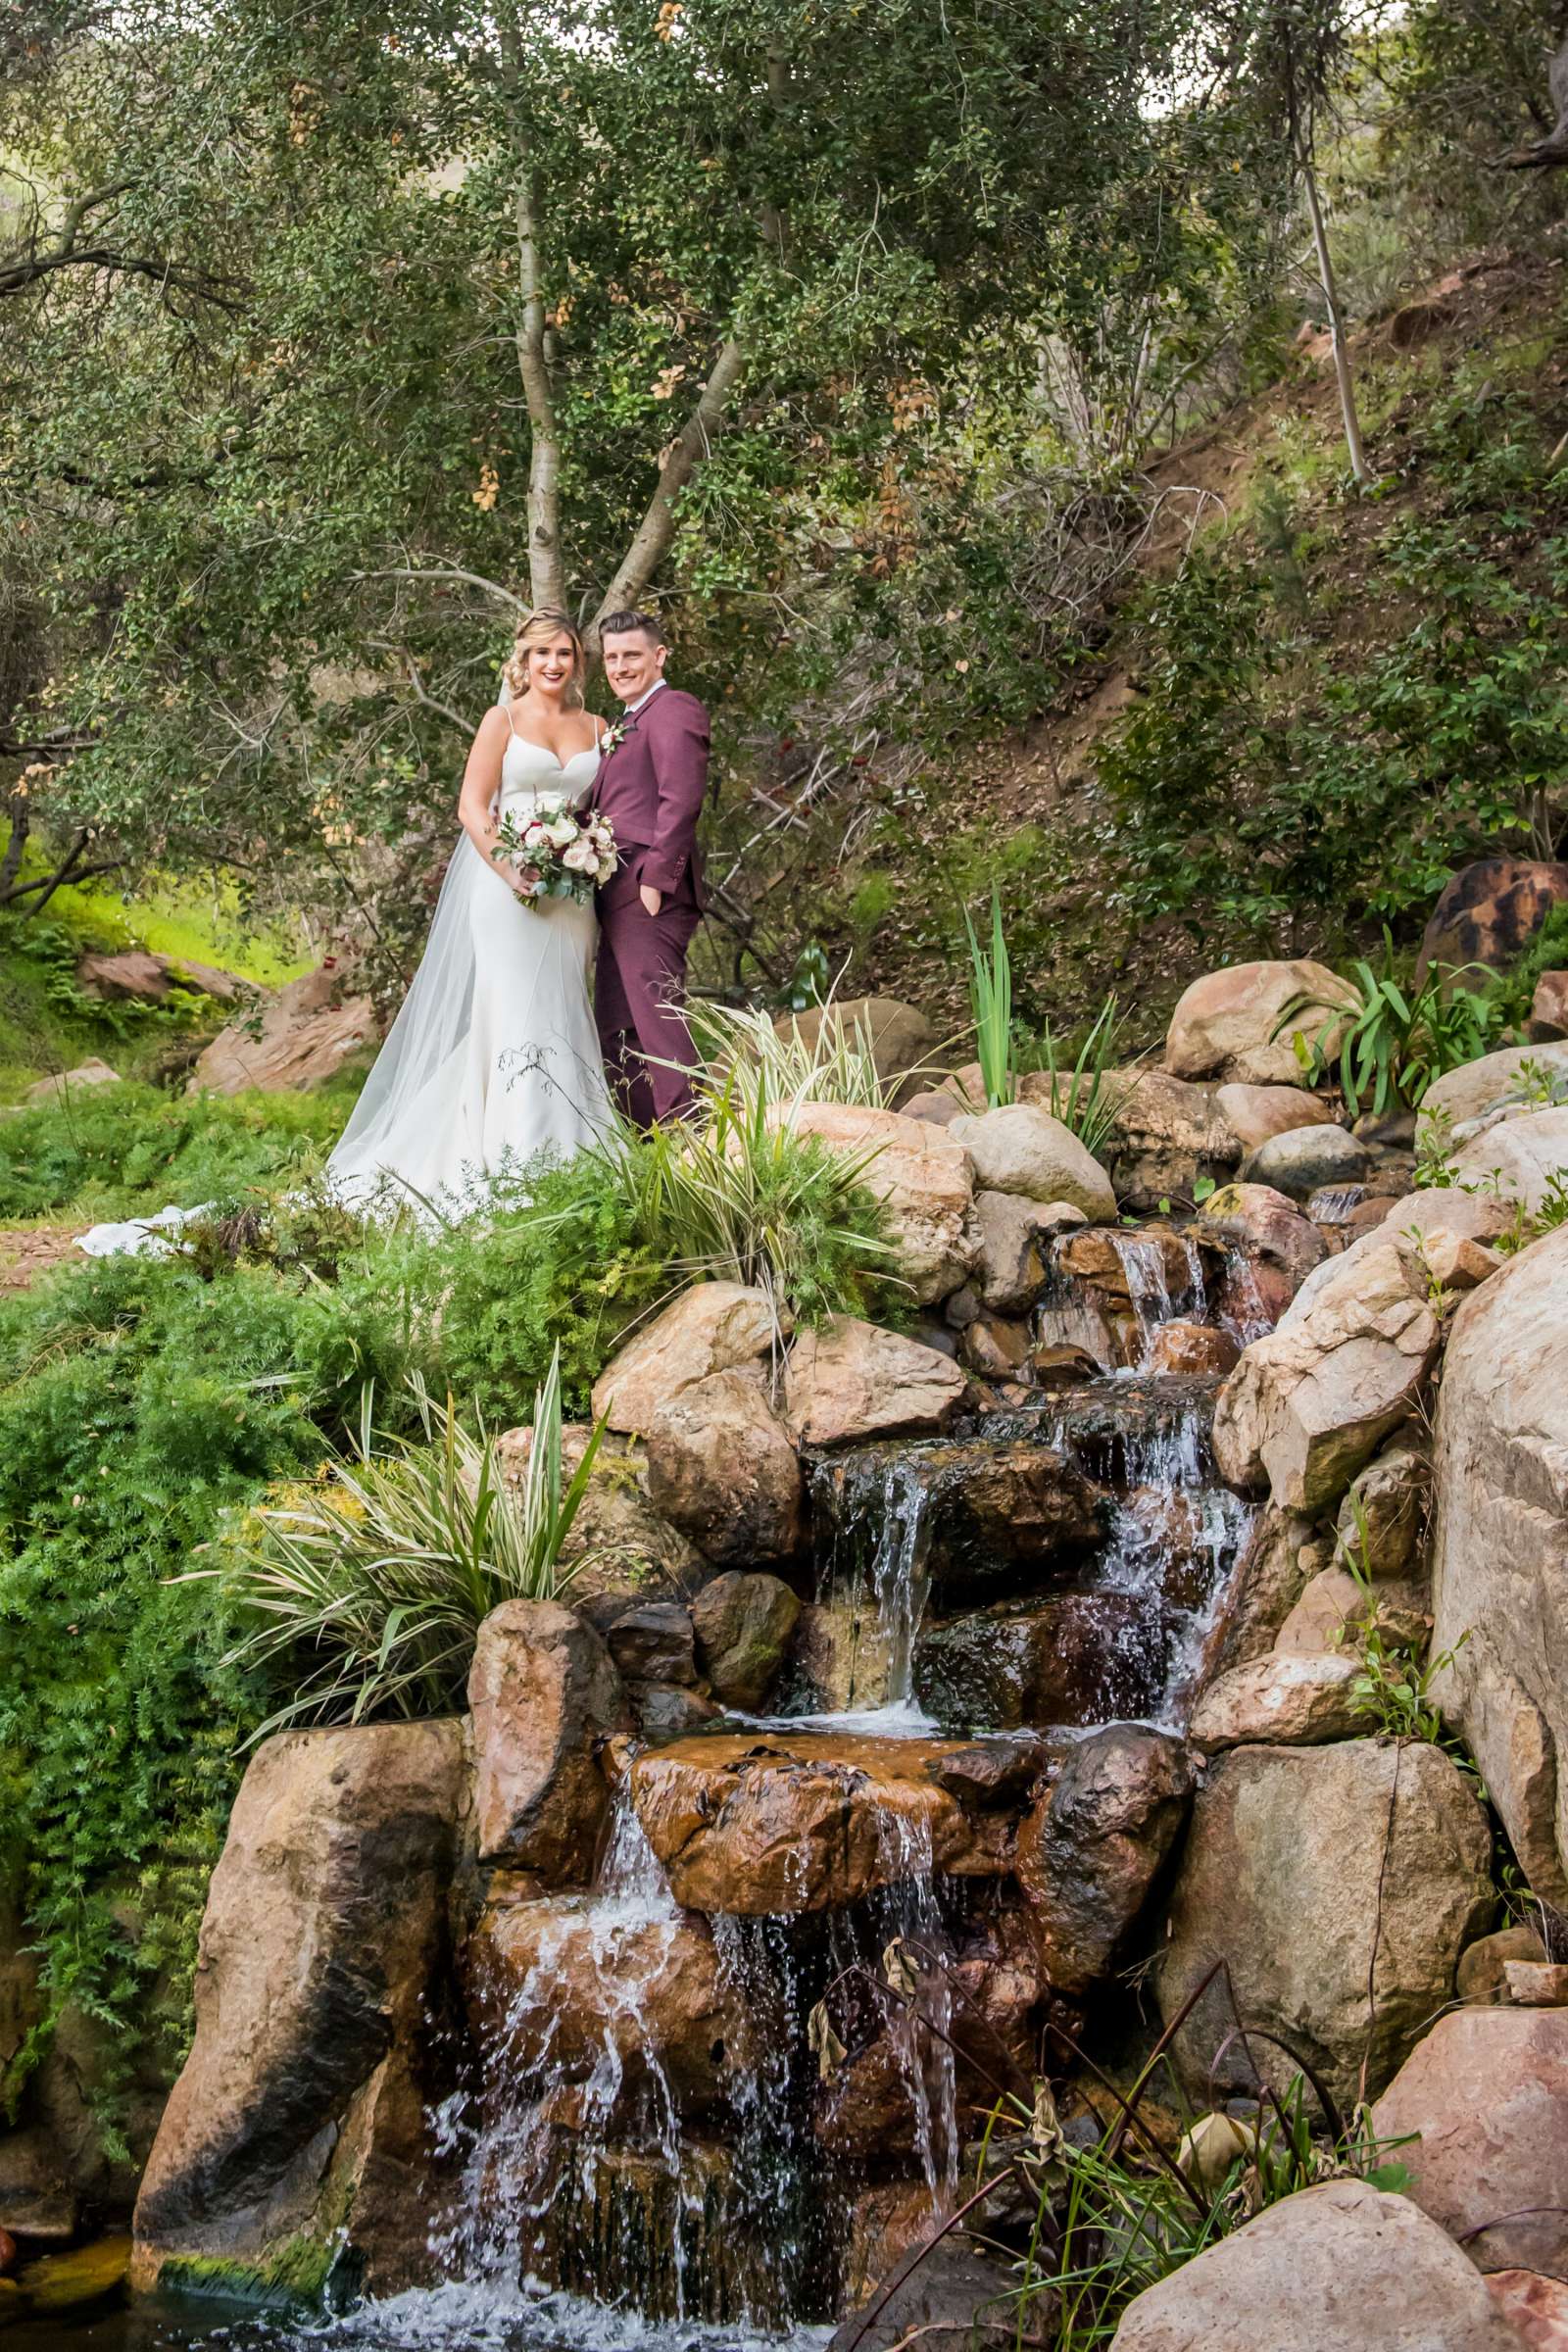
x=544, y=1695
x=721, y=1468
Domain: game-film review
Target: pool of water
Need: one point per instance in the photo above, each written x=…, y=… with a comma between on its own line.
x=465, y=2318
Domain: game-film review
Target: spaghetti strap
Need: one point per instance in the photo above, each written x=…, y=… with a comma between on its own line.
x=506, y=705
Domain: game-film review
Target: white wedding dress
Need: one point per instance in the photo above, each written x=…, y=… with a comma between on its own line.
x=493, y=1058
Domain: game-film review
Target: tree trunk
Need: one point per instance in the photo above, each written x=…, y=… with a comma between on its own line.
x=651, y=542
x=545, y=578
x=1331, y=296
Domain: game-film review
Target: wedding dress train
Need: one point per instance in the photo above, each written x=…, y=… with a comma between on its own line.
x=494, y=1056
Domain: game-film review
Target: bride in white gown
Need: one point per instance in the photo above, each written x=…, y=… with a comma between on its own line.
x=494, y=1056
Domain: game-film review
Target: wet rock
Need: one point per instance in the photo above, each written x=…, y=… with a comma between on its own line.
x=1093, y=1844
x=544, y=1694
x=1482, y=1974
x=763, y=1825
x=1548, y=1010
x=886, y=2220
x=1500, y=1577
x=851, y=1379
x=1487, y=914
x=1012, y=1232
x=995, y=1348
x=901, y=1040
x=1288, y=1698
x=1536, y=2308
x=839, y=1657
x=1279, y=1559
x=668, y=1711
x=1164, y=1137
x=925, y=1178
x=1304, y=1158
x=620, y=1548
x=303, y=1039
x=1073, y=1658
x=1336, y=1208
x=1180, y=1347
x=744, y=1624
x=652, y=1643
x=993, y=1771
x=581, y=1988
x=1308, y=1406
x=1060, y=1366
x=1023, y=1149
x=1256, y=1113
x=1521, y=1162
x=1477, y=1087
x=1315, y=1872
x=713, y=1327
x=1342, y=2268
x=299, y=2122
x=953, y=2299
x=721, y=1468
x=69, y=2282
x=37, y=2199
x=1228, y=1024
x=1487, y=2095
x=66, y=1083
x=1382, y=1519
x=1263, y=1220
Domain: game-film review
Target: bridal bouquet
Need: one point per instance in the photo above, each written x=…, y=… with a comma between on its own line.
x=560, y=852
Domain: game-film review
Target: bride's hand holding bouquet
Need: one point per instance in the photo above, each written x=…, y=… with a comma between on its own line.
x=555, y=851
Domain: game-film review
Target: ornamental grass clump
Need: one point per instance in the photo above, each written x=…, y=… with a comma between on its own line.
x=367, y=1587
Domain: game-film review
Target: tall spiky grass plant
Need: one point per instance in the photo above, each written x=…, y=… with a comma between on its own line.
x=742, y=1047
x=991, y=1002
x=371, y=1584
x=1086, y=1094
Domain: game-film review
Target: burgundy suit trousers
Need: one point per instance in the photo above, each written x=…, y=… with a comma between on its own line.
x=640, y=997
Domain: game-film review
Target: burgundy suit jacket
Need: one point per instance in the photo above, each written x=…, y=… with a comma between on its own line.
x=652, y=787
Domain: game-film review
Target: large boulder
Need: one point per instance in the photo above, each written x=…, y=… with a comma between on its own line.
x=1021, y=1148
x=1310, y=1405
x=1485, y=2095
x=1499, y=1576
x=544, y=1695
x=1488, y=914
x=744, y=1626
x=763, y=1827
x=1301, y=1159
x=297, y=2128
x=1476, y=1087
x=306, y=1032
x=1443, y=1208
x=1093, y=1842
x=1523, y=1161
x=1225, y=1024
x=1269, y=1225
x=1340, y=1884
x=620, y=1547
x=1342, y=2268
x=721, y=1468
x=712, y=1327
x=1253, y=1113
x=66, y=1083
x=923, y=1178
x=1015, y=1237
x=1164, y=1137
x=1288, y=1698
x=855, y=1380
x=901, y=1038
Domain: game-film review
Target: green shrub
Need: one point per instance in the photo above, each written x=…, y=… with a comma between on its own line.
x=109, y=1150
x=1386, y=1047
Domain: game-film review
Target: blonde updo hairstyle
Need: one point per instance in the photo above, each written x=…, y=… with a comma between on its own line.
x=538, y=629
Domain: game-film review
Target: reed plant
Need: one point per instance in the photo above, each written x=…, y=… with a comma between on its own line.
x=367, y=1588
x=991, y=1003
x=1087, y=1093
x=744, y=1051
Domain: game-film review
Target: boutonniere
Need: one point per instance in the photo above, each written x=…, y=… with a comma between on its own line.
x=613, y=737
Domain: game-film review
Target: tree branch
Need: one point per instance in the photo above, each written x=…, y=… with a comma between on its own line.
x=32, y=262
x=651, y=543
x=546, y=575
x=444, y=571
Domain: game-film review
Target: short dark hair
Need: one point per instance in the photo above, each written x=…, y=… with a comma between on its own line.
x=621, y=624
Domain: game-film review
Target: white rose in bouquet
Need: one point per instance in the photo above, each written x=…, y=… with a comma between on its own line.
x=579, y=858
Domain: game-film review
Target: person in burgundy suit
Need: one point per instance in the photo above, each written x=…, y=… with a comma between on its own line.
x=651, y=785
